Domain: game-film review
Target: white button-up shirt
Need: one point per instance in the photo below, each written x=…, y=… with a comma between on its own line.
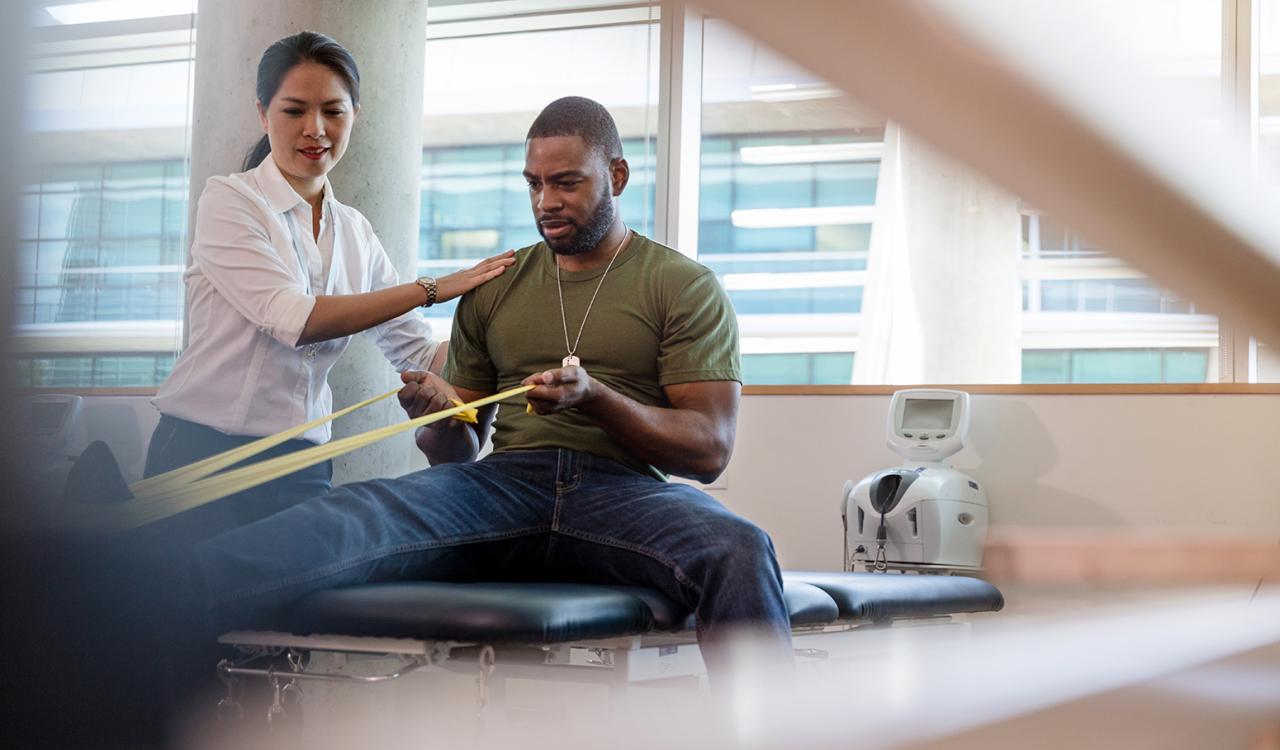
x=255, y=272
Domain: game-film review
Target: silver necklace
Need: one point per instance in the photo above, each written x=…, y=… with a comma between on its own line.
x=572, y=360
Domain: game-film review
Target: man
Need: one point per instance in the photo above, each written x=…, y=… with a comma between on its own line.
x=633, y=350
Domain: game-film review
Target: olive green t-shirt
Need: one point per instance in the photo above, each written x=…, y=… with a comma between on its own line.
x=658, y=320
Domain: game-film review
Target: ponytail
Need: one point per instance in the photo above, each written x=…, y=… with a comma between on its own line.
x=256, y=154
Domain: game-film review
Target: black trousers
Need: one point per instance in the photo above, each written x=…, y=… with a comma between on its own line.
x=178, y=442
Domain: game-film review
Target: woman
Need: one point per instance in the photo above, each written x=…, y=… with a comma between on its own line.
x=281, y=276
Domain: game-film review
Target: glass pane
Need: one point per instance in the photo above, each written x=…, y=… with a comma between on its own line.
x=1186, y=366
x=789, y=174
x=29, y=216
x=26, y=270
x=1046, y=366
x=1268, y=358
x=832, y=227
x=775, y=369
x=1269, y=93
x=56, y=212
x=1178, y=45
x=62, y=372
x=122, y=372
x=832, y=369
x=107, y=200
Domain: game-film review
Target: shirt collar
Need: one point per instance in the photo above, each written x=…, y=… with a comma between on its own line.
x=279, y=193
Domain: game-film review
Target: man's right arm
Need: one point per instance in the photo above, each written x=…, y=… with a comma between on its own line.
x=449, y=440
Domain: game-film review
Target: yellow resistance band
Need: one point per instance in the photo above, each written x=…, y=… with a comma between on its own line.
x=169, y=481
x=161, y=484
x=113, y=517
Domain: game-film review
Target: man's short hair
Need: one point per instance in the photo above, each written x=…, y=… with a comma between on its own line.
x=587, y=119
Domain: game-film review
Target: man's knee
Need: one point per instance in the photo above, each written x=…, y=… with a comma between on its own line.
x=742, y=543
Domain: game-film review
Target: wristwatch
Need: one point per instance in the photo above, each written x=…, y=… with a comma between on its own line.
x=428, y=283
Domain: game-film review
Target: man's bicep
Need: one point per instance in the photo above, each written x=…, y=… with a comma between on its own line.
x=715, y=399
x=700, y=336
x=468, y=359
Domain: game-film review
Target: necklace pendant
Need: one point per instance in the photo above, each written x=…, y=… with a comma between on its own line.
x=571, y=361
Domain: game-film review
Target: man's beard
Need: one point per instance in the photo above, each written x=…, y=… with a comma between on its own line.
x=590, y=233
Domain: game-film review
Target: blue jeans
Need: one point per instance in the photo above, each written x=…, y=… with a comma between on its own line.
x=533, y=515
x=178, y=442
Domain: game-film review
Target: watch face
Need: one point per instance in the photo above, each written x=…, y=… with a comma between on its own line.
x=429, y=285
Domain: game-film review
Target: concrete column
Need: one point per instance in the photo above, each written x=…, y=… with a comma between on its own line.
x=943, y=297
x=380, y=174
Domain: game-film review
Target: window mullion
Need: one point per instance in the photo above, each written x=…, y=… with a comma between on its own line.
x=677, y=171
x=1240, y=70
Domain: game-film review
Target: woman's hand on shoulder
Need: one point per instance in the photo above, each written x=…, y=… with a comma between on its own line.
x=460, y=282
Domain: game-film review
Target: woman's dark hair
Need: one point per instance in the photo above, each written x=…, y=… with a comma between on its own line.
x=284, y=56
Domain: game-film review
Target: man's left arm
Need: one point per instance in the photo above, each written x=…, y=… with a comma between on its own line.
x=693, y=438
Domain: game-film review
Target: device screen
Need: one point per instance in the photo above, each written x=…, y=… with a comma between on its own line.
x=927, y=413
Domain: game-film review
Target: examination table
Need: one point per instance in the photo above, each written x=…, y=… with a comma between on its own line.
x=617, y=634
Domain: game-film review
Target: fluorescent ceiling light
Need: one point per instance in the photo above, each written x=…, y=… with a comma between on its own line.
x=100, y=11
x=817, y=216
x=812, y=153
x=790, y=92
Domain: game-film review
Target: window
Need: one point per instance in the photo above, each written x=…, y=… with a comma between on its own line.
x=836, y=232
x=1266, y=358
x=99, y=290
x=850, y=250
x=1114, y=365
x=1268, y=125
x=103, y=242
x=94, y=371
x=822, y=368
x=789, y=173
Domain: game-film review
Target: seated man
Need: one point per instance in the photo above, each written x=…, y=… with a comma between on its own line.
x=633, y=349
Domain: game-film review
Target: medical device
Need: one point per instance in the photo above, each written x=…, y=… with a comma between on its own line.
x=49, y=439
x=923, y=515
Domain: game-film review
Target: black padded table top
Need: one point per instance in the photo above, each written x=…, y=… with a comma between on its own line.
x=807, y=605
x=884, y=596
x=474, y=612
x=547, y=613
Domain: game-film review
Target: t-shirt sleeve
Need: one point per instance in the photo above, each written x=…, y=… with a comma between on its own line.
x=468, y=364
x=700, y=338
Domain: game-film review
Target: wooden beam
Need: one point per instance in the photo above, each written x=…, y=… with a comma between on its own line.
x=1130, y=557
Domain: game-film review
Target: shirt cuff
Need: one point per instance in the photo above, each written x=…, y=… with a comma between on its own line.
x=290, y=312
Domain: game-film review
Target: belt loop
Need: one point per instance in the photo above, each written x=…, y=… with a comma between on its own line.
x=569, y=466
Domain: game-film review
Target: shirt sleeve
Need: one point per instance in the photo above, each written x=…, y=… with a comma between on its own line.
x=700, y=338
x=233, y=250
x=405, y=340
x=468, y=364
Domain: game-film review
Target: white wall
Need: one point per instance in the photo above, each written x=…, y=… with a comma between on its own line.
x=1111, y=461
x=1047, y=461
